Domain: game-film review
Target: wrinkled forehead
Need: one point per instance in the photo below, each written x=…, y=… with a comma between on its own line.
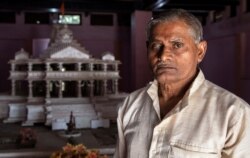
x=176, y=25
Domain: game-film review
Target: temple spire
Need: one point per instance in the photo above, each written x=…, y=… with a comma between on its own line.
x=62, y=8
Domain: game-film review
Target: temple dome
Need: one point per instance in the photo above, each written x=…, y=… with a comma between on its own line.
x=21, y=55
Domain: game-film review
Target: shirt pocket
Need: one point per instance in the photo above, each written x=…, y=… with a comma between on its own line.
x=182, y=150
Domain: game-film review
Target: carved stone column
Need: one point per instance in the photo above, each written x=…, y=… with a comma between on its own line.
x=48, y=82
x=13, y=87
x=91, y=88
x=60, y=93
x=79, y=86
x=115, y=86
x=104, y=67
x=105, y=80
x=104, y=87
x=47, y=66
x=29, y=66
x=60, y=66
x=30, y=82
x=30, y=89
x=79, y=89
x=79, y=66
x=91, y=82
x=90, y=67
x=115, y=81
x=13, y=82
x=13, y=66
x=47, y=89
x=116, y=67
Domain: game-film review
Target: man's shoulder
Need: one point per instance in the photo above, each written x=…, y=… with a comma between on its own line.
x=225, y=96
x=219, y=100
x=135, y=98
x=138, y=94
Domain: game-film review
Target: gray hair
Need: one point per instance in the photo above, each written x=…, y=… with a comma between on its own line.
x=177, y=14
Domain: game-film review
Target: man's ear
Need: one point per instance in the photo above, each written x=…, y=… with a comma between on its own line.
x=202, y=48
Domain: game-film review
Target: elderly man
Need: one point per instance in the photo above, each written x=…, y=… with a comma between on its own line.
x=181, y=114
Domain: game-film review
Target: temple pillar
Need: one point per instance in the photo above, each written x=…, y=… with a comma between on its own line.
x=13, y=87
x=116, y=67
x=29, y=66
x=104, y=67
x=13, y=66
x=90, y=67
x=91, y=82
x=105, y=87
x=115, y=81
x=13, y=82
x=47, y=82
x=30, y=82
x=79, y=66
x=60, y=65
x=60, y=93
x=47, y=89
x=79, y=86
x=105, y=80
x=30, y=88
x=47, y=66
x=115, y=85
x=79, y=89
x=91, y=88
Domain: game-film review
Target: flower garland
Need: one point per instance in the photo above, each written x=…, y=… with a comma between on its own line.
x=76, y=151
x=26, y=138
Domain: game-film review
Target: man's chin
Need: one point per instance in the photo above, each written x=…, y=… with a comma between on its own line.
x=164, y=78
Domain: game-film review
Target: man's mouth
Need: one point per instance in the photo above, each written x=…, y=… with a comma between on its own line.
x=162, y=68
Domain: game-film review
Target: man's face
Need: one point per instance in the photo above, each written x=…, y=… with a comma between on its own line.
x=173, y=53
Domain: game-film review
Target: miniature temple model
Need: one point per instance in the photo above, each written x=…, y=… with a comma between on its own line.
x=63, y=79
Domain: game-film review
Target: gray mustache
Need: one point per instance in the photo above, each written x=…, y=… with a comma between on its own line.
x=162, y=64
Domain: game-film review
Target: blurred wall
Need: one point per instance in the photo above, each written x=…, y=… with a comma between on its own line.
x=227, y=60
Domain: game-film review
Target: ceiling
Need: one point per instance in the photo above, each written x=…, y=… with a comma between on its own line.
x=197, y=7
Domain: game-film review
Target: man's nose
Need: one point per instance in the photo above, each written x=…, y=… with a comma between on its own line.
x=165, y=54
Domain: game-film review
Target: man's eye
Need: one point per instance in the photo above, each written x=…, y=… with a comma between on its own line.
x=156, y=47
x=177, y=45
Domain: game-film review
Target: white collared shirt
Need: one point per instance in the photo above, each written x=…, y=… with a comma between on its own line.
x=209, y=122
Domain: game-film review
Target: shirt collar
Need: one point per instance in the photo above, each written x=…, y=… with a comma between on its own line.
x=196, y=85
x=186, y=100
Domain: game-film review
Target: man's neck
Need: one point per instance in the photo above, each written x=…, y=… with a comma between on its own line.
x=171, y=93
